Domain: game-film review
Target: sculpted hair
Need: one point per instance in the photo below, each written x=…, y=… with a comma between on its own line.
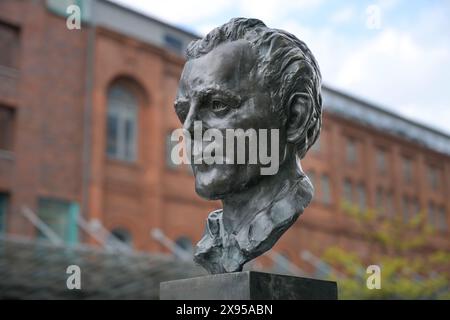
x=288, y=69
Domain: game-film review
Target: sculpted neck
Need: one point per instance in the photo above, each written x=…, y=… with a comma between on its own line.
x=240, y=208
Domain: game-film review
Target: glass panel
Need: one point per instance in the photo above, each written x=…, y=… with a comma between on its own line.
x=361, y=197
x=6, y=128
x=407, y=169
x=122, y=96
x=60, y=216
x=112, y=135
x=379, y=201
x=405, y=209
x=431, y=214
x=348, y=191
x=442, y=219
x=130, y=141
x=122, y=123
x=351, y=151
x=381, y=161
x=123, y=235
x=9, y=45
x=433, y=178
x=390, y=205
x=414, y=209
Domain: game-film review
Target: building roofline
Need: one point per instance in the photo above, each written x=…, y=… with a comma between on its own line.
x=384, y=110
x=153, y=19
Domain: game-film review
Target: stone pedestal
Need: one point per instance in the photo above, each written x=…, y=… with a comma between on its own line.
x=248, y=285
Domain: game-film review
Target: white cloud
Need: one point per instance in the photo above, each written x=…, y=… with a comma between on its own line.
x=387, y=4
x=404, y=70
x=271, y=11
x=395, y=70
x=206, y=28
x=343, y=15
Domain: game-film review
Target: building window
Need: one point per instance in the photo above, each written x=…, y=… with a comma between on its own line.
x=433, y=178
x=326, y=189
x=379, y=199
x=431, y=214
x=381, y=161
x=122, y=235
x=405, y=209
x=351, y=151
x=437, y=217
x=61, y=217
x=410, y=208
x=9, y=46
x=361, y=190
x=389, y=205
x=122, y=123
x=3, y=211
x=6, y=128
x=348, y=191
x=173, y=43
x=407, y=170
x=442, y=219
x=413, y=208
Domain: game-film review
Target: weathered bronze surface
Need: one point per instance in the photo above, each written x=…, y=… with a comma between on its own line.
x=244, y=75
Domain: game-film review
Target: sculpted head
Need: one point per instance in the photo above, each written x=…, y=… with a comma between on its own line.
x=246, y=75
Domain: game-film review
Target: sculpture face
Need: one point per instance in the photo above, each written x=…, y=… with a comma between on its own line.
x=222, y=91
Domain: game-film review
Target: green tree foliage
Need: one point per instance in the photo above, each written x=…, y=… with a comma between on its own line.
x=411, y=267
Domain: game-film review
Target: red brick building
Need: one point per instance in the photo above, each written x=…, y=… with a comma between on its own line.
x=84, y=120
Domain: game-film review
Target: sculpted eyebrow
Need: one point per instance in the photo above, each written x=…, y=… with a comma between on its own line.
x=206, y=93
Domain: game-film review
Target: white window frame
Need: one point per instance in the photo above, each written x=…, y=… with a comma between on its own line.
x=123, y=105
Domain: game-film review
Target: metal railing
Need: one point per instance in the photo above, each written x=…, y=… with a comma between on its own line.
x=279, y=260
x=94, y=229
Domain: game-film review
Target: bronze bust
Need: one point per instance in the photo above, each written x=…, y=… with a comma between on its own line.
x=244, y=75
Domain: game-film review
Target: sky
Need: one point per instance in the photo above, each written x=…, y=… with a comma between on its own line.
x=393, y=53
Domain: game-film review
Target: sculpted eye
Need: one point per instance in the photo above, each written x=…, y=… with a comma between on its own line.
x=219, y=106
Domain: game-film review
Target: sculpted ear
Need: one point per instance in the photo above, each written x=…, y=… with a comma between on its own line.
x=302, y=122
x=299, y=112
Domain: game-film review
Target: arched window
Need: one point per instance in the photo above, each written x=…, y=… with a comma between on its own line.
x=121, y=142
